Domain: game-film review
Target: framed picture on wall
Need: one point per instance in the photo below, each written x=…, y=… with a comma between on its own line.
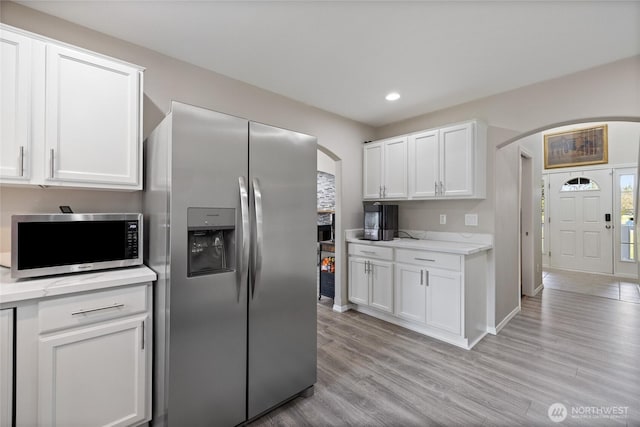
x=576, y=147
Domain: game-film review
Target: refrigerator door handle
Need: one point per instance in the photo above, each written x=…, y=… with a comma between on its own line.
x=257, y=253
x=246, y=232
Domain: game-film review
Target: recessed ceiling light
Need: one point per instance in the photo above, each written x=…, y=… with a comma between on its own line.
x=393, y=96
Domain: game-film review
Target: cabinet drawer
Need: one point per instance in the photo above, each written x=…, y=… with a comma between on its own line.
x=370, y=251
x=70, y=311
x=429, y=259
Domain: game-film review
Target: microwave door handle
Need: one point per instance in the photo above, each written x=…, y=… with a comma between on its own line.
x=246, y=233
x=257, y=253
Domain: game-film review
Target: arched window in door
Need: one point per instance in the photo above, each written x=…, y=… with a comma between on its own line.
x=580, y=184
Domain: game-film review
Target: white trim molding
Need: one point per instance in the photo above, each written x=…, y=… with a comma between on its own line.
x=538, y=289
x=342, y=308
x=503, y=323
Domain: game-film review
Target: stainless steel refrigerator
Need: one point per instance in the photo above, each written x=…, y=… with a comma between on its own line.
x=230, y=209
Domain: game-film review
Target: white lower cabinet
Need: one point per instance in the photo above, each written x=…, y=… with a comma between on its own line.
x=410, y=293
x=381, y=285
x=6, y=367
x=444, y=300
x=439, y=294
x=358, y=281
x=371, y=283
x=94, y=358
x=94, y=376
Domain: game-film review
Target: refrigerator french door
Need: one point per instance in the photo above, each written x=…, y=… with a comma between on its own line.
x=230, y=206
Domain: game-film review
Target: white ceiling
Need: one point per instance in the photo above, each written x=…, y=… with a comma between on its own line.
x=344, y=57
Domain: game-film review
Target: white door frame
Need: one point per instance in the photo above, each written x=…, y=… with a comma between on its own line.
x=526, y=237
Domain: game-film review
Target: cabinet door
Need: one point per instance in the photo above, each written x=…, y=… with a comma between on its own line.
x=91, y=120
x=372, y=171
x=395, y=168
x=94, y=376
x=424, y=161
x=456, y=163
x=444, y=300
x=358, y=281
x=410, y=292
x=381, y=293
x=15, y=95
x=6, y=367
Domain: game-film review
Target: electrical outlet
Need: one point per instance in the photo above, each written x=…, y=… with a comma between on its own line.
x=471, y=220
x=443, y=219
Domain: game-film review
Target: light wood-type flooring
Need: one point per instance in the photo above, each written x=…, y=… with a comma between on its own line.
x=600, y=285
x=579, y=350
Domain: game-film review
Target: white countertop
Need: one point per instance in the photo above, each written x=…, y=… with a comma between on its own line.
x=16, y=290
x=454, y=243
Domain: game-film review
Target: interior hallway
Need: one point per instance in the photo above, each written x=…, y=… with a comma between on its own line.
x=599, y=285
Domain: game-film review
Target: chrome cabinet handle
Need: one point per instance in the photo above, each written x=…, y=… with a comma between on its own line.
x=143, y=337
x=365, y=267
x=435, y=187
x=421, y=274
x=257, y=262
x=380, y=192
x=441, y=189
x=91, y=310
x=427, y=277
x=51, y=163
x=425, y=259
x=368, y=252
x=21, y=164
x=607, y=227
x=246, y=232
x=384, y=191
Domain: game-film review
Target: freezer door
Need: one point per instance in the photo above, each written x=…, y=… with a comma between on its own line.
x=282, y=301
x=207, y=312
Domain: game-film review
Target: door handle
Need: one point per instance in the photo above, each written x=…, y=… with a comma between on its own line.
x=51, y=163
x=257, y=254
x=246, y=232
x=21, y=164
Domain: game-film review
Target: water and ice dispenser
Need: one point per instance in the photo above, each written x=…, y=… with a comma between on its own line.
x=211, y=234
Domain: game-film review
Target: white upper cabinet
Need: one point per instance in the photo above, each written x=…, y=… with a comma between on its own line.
x=424, y=164
x=444, y=163
x=385, y=169
x=70, y=117
x=456, y=160
x=372, y=170
x=448, y=162
x=15, y=115
x=91, y=126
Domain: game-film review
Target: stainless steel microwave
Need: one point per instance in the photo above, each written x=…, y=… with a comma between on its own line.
x=43, y=245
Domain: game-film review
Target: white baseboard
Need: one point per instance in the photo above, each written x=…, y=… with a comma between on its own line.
x=342, y=308
x=538, y=289
x=503, y=323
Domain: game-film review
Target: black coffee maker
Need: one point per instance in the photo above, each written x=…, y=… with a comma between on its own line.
x=380, y=221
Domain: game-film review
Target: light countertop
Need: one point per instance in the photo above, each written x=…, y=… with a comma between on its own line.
x=454, y=243
x=17, y=290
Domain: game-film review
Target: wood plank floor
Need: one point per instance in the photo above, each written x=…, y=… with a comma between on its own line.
x=579, y=350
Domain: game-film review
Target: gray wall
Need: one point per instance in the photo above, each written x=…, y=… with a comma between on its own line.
x=611, y=90
x=168, y=79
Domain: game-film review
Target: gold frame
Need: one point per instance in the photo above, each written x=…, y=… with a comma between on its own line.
x=573, y=147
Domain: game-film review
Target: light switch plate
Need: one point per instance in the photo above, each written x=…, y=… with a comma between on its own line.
x=443, y=219
x=471, y=220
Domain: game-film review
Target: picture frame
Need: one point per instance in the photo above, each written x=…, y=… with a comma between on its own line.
x=576, y=147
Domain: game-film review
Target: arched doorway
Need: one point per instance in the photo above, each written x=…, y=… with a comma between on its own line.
x=508, y=154
x=332, y=165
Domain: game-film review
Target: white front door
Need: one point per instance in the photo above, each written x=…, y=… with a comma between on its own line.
x=581, y=238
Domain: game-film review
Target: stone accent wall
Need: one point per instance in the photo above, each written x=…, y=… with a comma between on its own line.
x=326, y=196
